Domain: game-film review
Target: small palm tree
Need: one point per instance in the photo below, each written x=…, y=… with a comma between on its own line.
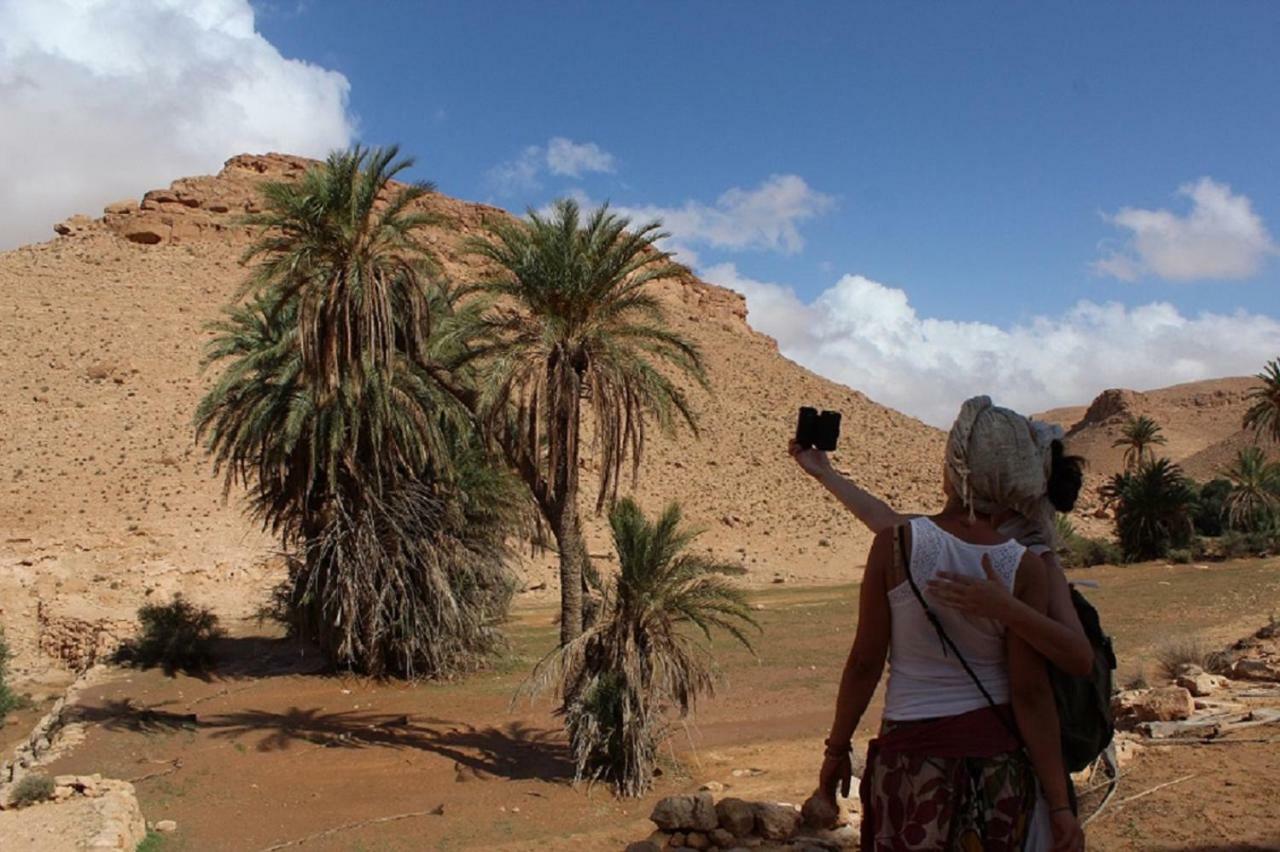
x=1263, y=416
x=1138, y=435
x=1254, y=499
x=643, y=659
x=1154, y=507
x=573, y=322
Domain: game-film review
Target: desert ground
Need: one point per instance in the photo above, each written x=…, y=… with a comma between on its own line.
x=265, y=750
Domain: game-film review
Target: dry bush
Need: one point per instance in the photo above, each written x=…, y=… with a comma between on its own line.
x=1176, y=654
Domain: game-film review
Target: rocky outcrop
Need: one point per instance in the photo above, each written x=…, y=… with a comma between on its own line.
x=86, y=812
x=79, y=643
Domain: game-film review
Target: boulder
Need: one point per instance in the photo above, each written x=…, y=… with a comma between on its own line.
x=775, y=821
x=704, y=813
x=1199, y=682
x=697, y=840
x=1252, y=668
x=736, y=816
x=120, y=208
x=1165, y=704
x=643, y=846
x=679, y=813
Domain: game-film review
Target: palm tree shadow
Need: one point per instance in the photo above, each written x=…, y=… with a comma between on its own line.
x=512, y=751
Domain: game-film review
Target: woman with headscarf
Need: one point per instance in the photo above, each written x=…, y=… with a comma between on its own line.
x=1049, y=482
x=969, y=721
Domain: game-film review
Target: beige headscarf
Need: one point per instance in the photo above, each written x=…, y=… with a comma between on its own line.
x=998, y=460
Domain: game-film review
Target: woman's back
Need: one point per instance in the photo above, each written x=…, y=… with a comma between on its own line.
x=925, y=680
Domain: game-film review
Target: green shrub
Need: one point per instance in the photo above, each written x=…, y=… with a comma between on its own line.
x=1084, y=552
x=9, y=701
x=1181, y=556
x=177, y=636
x=1211, y=507
x=31, y=789
x=1234, y=544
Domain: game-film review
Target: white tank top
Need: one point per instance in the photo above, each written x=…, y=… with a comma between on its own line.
x=925, y=682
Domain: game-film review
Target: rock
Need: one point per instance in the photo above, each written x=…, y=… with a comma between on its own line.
x=736, y=816
x=697, y=840
x=1165, y=704
x=145, y=234
x=73, y=225
x=712, y=787
x=1199, y=682
x=1251, y=668
x=166, y=826
x=723, y=838
x=120, y=208
x=820, y=812
x=643, y=846
x=776, y=821
x=676, y=841
x=704, y=812
x=672, y=813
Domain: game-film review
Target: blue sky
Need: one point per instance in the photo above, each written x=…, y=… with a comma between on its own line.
x=920, y=199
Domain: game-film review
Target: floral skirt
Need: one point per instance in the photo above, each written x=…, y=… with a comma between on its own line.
x=951, y=804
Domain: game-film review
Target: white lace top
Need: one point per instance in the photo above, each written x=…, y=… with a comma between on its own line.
x=925, y=682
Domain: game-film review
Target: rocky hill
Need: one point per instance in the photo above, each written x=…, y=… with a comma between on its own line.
x=106, y=499
x=1199, y=420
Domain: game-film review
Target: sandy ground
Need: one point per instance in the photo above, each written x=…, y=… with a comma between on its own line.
x=276, y=752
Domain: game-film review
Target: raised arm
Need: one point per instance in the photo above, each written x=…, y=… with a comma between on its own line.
x=871, y=510
x=1057, y=635
x=862, y=669
x=1035, y=711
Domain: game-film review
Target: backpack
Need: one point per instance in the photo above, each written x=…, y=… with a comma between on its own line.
x=1084, y=703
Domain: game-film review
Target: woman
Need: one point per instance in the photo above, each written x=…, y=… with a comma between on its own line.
x=1028, y=517
x=948, y=770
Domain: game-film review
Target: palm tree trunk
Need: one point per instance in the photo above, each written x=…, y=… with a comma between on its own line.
x=567, y=529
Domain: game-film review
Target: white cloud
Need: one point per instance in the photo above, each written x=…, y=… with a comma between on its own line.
x=566, y=157
x=867, y=335
x=1221, y=237
x=560, y=156
x=102, y=101
x=767, y=217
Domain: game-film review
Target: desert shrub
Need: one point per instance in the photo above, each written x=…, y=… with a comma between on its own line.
x=1175, y=654
x=1234, y=544
x=1154, y=503
x=32, y=788
x=9, y=700
x=1209, y=516
x=1084, y=552
x=1181, y=556
x=177, y=636
x=641, y=661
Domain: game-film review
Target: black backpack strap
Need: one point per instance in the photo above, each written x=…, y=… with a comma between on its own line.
x=947, y=644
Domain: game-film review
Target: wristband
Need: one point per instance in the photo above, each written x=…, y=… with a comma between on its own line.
x=837, y=750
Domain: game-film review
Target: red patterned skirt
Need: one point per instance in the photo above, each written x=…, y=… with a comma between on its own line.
x=956, y=784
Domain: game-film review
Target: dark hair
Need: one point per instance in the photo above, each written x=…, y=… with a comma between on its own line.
x=1066, y=475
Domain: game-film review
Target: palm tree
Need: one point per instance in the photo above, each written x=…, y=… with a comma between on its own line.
x=1154, y=505
x=642, y=659
x=1254, y=498
x=1263, y=416
x=572, y=322
x=328, y=411
x=1138, y=435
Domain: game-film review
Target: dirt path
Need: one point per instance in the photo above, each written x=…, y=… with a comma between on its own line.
x=276, y=753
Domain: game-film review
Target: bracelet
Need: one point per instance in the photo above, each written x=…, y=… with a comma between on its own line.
x=836, y=750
